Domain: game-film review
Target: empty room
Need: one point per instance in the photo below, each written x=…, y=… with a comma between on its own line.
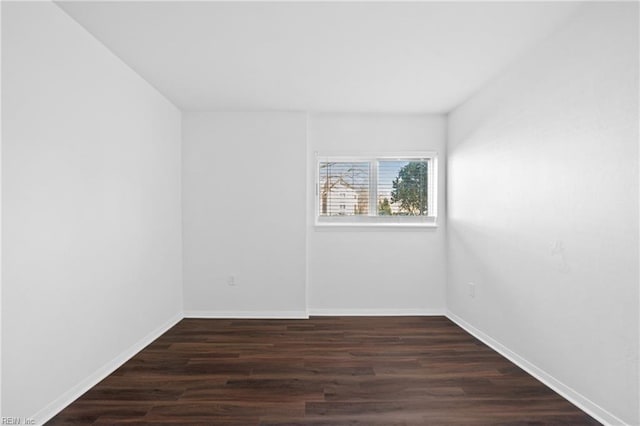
x=320, y=213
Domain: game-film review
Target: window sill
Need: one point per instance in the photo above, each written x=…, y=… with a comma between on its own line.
x=376, y=222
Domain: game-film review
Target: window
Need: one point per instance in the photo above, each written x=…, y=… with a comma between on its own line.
x=385, y=190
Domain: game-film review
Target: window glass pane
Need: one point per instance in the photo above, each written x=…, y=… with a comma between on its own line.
x=344, y=188
x=402, y=188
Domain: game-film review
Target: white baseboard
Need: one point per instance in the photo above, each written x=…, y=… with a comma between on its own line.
x=579, y=400
x=247, y=314
x=75, y=392
x=376, y=312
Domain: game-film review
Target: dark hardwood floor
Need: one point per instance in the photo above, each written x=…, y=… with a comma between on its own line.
x=321, y=371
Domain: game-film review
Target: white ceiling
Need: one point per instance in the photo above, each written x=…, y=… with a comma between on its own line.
x=319, y=56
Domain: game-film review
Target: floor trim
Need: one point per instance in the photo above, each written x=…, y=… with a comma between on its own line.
x=78, y=390
x=577, y=399
x=376, y=312
x=247, y=314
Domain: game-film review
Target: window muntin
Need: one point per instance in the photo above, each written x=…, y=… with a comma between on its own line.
x=386, y=190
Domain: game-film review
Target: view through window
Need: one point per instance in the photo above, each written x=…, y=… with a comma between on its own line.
x=379, y=187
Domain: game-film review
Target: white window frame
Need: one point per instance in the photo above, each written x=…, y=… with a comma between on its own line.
x=373, y=219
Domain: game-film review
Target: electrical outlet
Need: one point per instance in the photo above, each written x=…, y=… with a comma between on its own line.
x=231, y=280
x=472, y=290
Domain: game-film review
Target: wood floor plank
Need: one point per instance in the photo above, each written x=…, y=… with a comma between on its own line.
x=321, y=371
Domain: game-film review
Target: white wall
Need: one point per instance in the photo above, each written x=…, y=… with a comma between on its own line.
x=244, y=214
x=0, y=217
x=375, y=270
x=90, y=210
x=232, y=162
x=543, y=209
